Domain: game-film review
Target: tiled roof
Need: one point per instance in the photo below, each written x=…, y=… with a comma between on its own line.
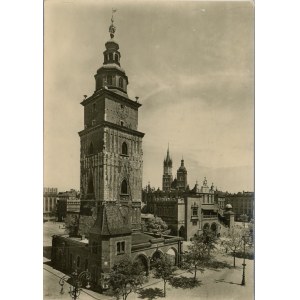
x=138, y=238
x=112, y=220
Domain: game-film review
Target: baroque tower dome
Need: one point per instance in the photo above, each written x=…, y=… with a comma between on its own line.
x=110, y=75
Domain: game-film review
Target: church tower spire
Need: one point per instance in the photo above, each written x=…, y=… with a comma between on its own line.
x=167, y=174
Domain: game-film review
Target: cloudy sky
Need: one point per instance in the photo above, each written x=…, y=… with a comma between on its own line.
x=191, y=64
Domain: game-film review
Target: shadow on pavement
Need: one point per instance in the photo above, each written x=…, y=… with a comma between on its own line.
x=48, y=263
x=217, y=265
x=184, y=282
x=230, y=282
x=47, y=251
x=150, y=293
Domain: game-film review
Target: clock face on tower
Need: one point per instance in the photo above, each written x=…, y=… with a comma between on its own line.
x=122, y=111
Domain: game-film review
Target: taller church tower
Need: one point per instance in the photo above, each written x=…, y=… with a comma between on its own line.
x=167, y=177
x=110, y=144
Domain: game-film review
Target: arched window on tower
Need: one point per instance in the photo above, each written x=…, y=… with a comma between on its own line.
x=117, y=57
x=91, y=148
x=124, y=189
x=109, y=79
x=124, y=148
x=121, y=82
x=111, y=56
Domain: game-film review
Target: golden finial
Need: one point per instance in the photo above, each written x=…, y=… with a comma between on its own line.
x=112, y=27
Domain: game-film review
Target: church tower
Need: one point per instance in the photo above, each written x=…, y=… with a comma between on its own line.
x=110, y=144
x=182, y=177
x=167, y=174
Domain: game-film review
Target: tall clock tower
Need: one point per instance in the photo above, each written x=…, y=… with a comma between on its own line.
x=110, y=144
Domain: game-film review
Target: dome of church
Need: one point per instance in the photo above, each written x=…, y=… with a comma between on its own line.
x=182, y=168
x=112, y=45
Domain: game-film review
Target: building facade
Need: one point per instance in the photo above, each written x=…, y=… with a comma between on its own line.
x=110, y=182
x=67, y=203
x=50, y=201
x=187, y=213
x=242, y=204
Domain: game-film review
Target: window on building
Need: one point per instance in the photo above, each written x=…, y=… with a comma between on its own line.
x=124, y=187
x=109, y=79
x=94, y=107
x=91, y=148
x=195, y=211
x=86, y=264
x=122, y=123
x=121, y=82
x=78, y=262
x=110, y=56
x=116, y=57
x=120, y=247
x=124, y=148
x=194, y=223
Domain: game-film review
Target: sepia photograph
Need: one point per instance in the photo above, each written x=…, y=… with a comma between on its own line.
x=148, y=188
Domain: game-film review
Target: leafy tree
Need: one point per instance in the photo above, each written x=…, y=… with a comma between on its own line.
x=126, y=277
x=157, y=225
x=164, y=269
x=72, y=225
x=233, y=240
x=199, y=253
x=210, y=240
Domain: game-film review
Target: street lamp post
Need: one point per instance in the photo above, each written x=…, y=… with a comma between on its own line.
x=244, y=264
x=76, y=283
x=244, y=219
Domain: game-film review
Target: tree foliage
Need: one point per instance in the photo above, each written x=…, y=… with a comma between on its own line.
x=233, y=240
x=126, y=277
x=199, y=253
x=164, y=269
x=72, y=225
x=156, y=225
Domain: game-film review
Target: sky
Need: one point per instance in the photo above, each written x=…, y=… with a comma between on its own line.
x=190, y=63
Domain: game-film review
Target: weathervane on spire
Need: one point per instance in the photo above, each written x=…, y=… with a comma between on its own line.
x=112, y=27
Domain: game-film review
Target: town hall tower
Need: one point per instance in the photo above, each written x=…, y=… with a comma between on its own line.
x=110, y=144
